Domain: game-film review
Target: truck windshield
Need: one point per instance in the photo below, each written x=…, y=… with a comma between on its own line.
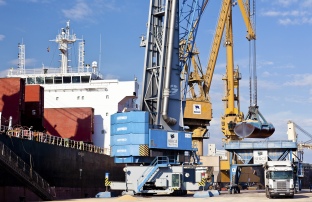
x=281, y=175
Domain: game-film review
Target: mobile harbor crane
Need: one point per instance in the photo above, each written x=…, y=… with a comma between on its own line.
x=152, y=142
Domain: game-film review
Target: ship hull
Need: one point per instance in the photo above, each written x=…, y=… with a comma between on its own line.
x=73, y=173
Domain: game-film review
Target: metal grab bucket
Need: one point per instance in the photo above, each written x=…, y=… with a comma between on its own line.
x=254, y=129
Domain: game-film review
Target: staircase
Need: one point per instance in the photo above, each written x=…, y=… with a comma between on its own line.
x=15, y=165
x=160, y=161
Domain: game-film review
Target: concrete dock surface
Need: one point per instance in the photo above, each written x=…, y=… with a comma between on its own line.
x=245, y=196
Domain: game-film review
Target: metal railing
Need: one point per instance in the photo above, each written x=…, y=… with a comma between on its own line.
x=22, y=133
x=23, y=171
x=150, y=170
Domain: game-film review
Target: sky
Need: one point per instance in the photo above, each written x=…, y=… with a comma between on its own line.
x=112, y=30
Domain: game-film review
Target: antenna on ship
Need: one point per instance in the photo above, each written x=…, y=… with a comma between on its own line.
x=99, y=66
x=21, y=58
x=64, y=39
x=81, y=62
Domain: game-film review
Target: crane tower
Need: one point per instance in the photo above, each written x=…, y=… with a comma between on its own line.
x=152, y=141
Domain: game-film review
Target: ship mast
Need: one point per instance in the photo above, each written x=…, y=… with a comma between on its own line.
x=64, y=39
x=81, y=56
x=21, y=58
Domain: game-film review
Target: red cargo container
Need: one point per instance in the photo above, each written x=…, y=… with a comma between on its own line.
x=34, y=107
x=12, y=93
x=34, y=101
x=73, y=123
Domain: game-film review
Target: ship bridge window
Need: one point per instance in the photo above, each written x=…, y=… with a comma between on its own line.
x=57, y=80
x=40, y=80
x=67, y=79
x=85, y=79
x=48, y=80
x=30, y=80
x=76, y=79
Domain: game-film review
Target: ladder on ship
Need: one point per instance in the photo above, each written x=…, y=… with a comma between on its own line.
x=15, y=165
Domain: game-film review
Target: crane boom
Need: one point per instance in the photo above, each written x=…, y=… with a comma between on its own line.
x=215, y=46
x=232, y=114
x=244, y=7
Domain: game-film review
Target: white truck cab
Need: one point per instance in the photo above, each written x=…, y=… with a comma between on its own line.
x=279, y=179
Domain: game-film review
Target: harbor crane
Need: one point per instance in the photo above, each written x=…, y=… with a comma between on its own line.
x=151, y=141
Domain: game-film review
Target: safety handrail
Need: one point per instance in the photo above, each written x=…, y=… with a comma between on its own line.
x=24, y=170
x=50, y=139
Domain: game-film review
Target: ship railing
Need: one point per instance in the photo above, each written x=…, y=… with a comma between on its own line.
x=19, y=132
x=51, y=71
x=25, y=169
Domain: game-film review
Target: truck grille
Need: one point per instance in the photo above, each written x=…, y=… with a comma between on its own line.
x=281, y=184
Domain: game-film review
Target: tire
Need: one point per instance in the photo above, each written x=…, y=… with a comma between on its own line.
x=270, y=196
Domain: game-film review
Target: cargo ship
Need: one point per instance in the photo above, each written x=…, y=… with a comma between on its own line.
x=57, y=122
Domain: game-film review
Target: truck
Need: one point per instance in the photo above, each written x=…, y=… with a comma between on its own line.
x=279, y=179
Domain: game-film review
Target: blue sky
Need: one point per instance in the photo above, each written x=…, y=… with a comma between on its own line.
x=284, y=49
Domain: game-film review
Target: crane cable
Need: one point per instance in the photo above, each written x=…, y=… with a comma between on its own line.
x=252, y=59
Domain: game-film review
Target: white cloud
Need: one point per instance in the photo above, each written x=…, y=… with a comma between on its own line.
x=306, y=3
x=28, y=62
x=107, y=4
x=3, y=73
x=38, y=1
x=1, y=37
x=293, y=13
x=267, y=84
x=111, y=76
x=300, y=80
x=80, y=11
x=295, y=21
x=307, y=20
x=288, y=21
x=286, y=3
x=2, y=2
x=299, y=14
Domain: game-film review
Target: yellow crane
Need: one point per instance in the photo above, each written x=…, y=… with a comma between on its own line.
x=232, y=113
x=198, y=109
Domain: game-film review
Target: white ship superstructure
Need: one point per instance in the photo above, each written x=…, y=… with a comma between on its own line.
x=83, y=86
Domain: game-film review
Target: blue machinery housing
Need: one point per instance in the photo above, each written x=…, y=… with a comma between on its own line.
x=133, y=141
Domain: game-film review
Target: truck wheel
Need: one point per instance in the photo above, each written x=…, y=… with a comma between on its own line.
x=267, y=192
